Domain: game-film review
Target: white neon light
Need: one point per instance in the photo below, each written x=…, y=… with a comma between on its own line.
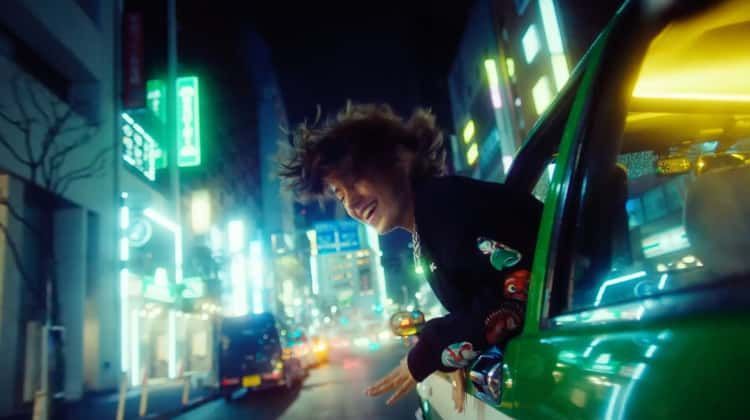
x=124, y=217
x=256, y=275
x=595, y=342
x=616, y=280
x=554, y=42
x=638, y=371
x=238, y=305
x=236, y=236
x=530, y=42
x=161, y=220
x=314, y=274
x=651, y=350
x=373, y=239
x=124, y=248
x=550, y=170
x=507, y=162
x=171, y=332
x=177, y=232
x=663, y=281
x=217, y=242
x=124, y=314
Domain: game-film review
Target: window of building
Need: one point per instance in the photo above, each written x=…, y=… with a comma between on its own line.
x=542, y=94
x=530, y=42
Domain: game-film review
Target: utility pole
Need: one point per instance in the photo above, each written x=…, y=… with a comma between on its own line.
x=172, y=133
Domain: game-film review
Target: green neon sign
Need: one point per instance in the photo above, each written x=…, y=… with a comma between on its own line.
x=188, y=122
x=156, y=97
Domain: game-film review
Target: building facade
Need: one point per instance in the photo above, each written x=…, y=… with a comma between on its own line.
x=514, y=57
x=59, y=180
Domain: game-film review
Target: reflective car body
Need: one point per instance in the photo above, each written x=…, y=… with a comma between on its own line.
x=637, y=321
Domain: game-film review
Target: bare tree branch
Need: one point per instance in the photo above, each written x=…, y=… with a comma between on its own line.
x=19, y=265
x=95, y=166
x=16, y=215
x=52, y=134
x=36, y=103
x=18, y=101
x=25, y=125
x=6, y=144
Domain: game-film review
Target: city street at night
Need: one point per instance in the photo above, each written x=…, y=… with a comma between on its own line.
x=332, y=391
x=394, y=209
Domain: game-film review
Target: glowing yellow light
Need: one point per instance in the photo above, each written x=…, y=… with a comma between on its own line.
x=469, y=130
x=560, y=70
x=696, y=96
x=491, y=68
x=700, y=58
x=510, y=64
x=200, y=211
x=542, y=95
x=472, y=154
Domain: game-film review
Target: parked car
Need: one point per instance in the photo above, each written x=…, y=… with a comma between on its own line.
x=253, y=357
x=301, y=348
x=639, y=302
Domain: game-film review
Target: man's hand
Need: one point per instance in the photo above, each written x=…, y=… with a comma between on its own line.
x=458, y=380
x=399, y=381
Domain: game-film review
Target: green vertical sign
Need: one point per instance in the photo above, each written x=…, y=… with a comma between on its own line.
x=156, y=97
x=188, y=122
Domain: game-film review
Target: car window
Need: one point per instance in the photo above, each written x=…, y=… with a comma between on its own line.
x=542, y=186
x=674, y=212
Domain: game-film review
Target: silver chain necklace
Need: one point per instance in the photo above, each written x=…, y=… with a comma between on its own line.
x=416, y=248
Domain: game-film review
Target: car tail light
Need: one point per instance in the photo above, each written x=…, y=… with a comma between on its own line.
x=230, y=381
x=275, y=375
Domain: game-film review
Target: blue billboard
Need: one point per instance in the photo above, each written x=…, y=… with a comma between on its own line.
x=337, y=236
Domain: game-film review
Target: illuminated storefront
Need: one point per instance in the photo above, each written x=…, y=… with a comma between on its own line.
x=166, y=320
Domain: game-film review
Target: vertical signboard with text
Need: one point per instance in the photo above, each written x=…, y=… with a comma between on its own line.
x=132, y=60
x=188, y=122
x=156, y=97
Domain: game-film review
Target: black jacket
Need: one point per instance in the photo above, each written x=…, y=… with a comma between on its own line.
x=451, y=213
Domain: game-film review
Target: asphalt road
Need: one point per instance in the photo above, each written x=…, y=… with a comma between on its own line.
x=333, y=391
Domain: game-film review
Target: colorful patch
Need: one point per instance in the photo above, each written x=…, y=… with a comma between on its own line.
x=501, y=255
x=503, y=323
x=516, y=285
x=459, y=355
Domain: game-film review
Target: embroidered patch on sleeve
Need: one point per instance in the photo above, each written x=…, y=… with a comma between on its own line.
x=459, y=355
x=501, y=255
x=503, y=323
x=516, y=285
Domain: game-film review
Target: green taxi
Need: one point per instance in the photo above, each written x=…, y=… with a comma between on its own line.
x=639, y=303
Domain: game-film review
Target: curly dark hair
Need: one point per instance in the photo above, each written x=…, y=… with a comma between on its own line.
x=362, y=138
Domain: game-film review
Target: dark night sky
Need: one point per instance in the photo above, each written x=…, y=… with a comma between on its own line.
x=324, y=53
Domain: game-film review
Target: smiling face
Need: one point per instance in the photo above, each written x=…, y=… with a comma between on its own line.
x=382, y=201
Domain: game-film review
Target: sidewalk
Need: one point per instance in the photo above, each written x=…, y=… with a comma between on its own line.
x=164, y=401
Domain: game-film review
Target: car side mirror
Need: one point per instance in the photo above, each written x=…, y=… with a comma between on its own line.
x=487, y=374
x=407, y=323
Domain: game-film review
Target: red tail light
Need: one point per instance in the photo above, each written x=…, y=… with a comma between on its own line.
x=230, y=381
x=275, y=375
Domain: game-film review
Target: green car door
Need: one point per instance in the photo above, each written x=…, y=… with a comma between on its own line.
x=639, y=305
